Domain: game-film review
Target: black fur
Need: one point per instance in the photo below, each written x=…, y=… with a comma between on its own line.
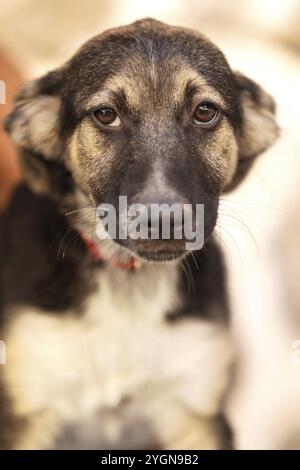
x=43, y=260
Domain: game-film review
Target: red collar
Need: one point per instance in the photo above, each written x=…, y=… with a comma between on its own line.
x=95, y=252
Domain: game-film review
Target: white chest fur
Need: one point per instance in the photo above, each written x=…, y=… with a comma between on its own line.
x=119, y=349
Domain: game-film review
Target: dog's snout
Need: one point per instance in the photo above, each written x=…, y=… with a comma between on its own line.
x=168, y=216
x=163, y=215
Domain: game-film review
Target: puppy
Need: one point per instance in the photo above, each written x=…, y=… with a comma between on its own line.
x=122, y=343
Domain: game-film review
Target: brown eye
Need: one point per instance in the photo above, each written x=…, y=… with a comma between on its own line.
x=206, y=114
x=107, y=117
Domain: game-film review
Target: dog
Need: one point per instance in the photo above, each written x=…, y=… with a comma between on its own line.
x=123, y=343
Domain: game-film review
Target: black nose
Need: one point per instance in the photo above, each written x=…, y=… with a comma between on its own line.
x=163, y=216
x=164, y=220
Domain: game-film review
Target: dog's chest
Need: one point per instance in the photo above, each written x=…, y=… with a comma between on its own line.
x=118, y=355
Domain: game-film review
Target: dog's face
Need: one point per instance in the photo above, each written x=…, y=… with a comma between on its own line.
x=147, y=111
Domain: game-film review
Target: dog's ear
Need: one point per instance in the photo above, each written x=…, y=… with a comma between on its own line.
x=34, y=126
x=33, y=123
x=258, y=129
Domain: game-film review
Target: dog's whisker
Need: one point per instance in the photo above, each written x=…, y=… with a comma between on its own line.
x=232, y=239
x=82, y=209
x=218, y=235
x=64, y=237
x=234, y=219
x=186, y=275
x=246, y=204
x=193, y=286
x=194, y=259
x=189, y=275
x=224, y=243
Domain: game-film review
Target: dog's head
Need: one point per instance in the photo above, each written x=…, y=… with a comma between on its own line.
x=148, y=111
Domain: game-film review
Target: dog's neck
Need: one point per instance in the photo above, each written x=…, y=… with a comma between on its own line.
x=96, y=253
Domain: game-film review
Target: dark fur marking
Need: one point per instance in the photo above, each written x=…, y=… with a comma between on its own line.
x=43, y=260
x=203, y=286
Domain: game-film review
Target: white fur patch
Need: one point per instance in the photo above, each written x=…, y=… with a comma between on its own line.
x=121, y=350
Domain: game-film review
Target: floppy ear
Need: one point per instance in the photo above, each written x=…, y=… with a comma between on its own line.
x=33, y=124
x=34, y=127
x=258, y=130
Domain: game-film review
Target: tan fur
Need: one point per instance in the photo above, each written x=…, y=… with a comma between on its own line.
x=175, y=75
x=222, y=153
x=260, y=129
x=36, y=127
x=88, y=147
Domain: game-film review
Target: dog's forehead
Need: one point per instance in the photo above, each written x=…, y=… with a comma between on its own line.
x=147, y=60
x=149, y=82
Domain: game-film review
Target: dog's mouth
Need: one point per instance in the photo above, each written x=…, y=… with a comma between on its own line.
x=157, y=232
x=162, y=256
x=157, y=250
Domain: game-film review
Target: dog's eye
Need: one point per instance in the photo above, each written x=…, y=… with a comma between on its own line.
x=205, y=114
x=107, y=117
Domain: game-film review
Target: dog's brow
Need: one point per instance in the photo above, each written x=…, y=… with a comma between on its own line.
x=107, y=96
x=195, y=88
x=186, y=84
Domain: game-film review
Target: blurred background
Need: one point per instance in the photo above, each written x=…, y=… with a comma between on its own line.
x=260, y=225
